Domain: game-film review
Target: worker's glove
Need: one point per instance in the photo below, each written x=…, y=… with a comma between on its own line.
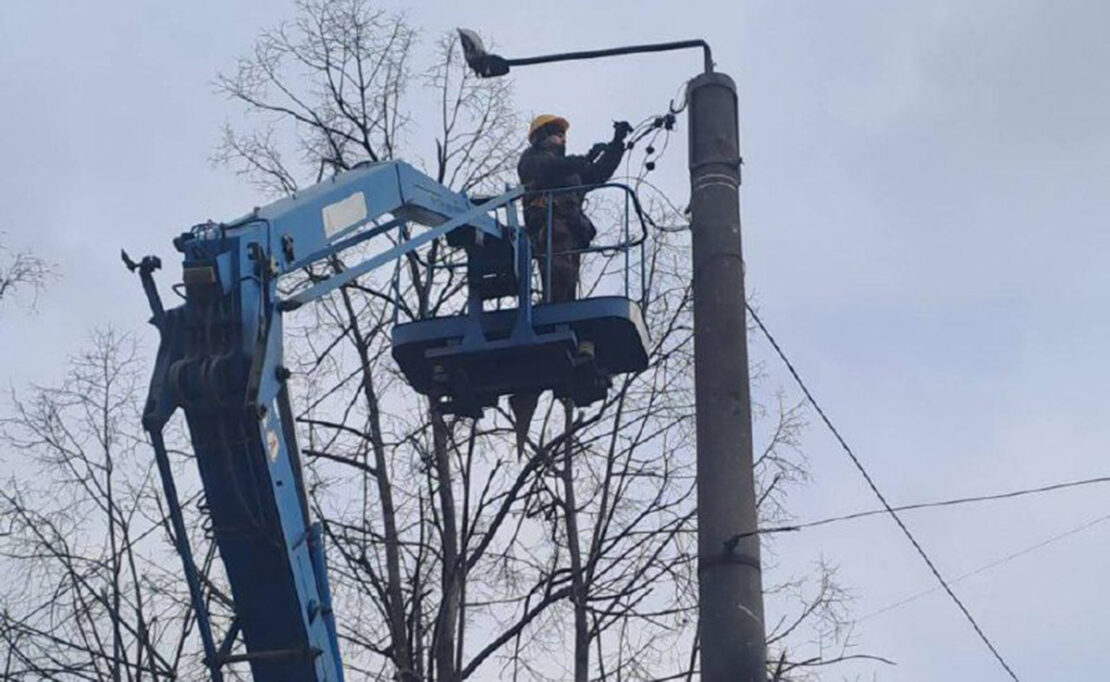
x=596, y=150
x=621, y=130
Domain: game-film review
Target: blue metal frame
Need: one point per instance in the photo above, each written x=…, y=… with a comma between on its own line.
x=338, y=280
x=625, y=246
x=220, y=359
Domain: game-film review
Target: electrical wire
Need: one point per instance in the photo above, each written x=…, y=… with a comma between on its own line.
x=685, y=88
x=882, y=499
x=655, y=125
x=986, y=567
x=670, y=204
x=932, y=505
x=662, y=125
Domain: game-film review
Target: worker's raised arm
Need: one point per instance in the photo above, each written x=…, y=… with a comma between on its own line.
x=605, y=164
x=543, y=169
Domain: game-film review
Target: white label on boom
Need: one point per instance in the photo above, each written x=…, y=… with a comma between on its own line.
x=345, y=213
x=272, y=445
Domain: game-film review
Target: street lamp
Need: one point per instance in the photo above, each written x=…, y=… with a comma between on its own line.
x=489, y=65
x=730, y=590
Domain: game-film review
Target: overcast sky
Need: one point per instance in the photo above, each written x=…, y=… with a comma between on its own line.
x=925, y=210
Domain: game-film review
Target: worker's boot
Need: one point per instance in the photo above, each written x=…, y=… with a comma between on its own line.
x=523, y=406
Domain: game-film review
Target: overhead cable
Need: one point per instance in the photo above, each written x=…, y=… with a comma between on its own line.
x=932, y=505
x=986, y=567
x=882, y=499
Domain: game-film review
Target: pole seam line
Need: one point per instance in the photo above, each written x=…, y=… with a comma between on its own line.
x=882, y=498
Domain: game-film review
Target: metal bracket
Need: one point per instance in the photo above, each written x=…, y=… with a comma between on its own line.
x=146, y=268
x=726, y=559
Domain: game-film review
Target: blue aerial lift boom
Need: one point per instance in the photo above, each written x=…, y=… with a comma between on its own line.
x=220, y=360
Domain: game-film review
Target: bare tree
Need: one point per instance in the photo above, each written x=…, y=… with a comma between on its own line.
x=450, y=557
x=22, y=273
x=88, y=591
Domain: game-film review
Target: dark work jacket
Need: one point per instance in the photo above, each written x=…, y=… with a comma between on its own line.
x=543, y=168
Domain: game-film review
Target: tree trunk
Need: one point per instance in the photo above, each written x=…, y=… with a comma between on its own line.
x=396, y=607
x=448, y=614
x=578, y=586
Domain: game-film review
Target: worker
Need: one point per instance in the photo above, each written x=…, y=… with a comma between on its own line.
x=545, y=165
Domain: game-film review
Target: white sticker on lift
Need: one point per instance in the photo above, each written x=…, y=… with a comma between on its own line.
x=272, y=444
x=345, y=213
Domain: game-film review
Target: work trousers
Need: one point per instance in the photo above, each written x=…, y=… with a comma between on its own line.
x=564, y=263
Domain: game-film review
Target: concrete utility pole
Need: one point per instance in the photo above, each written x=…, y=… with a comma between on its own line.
x=730, y=586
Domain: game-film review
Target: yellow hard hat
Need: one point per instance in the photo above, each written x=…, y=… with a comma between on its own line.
x=545, y=119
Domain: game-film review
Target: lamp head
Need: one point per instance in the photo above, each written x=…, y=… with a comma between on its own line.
x=483, y=63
